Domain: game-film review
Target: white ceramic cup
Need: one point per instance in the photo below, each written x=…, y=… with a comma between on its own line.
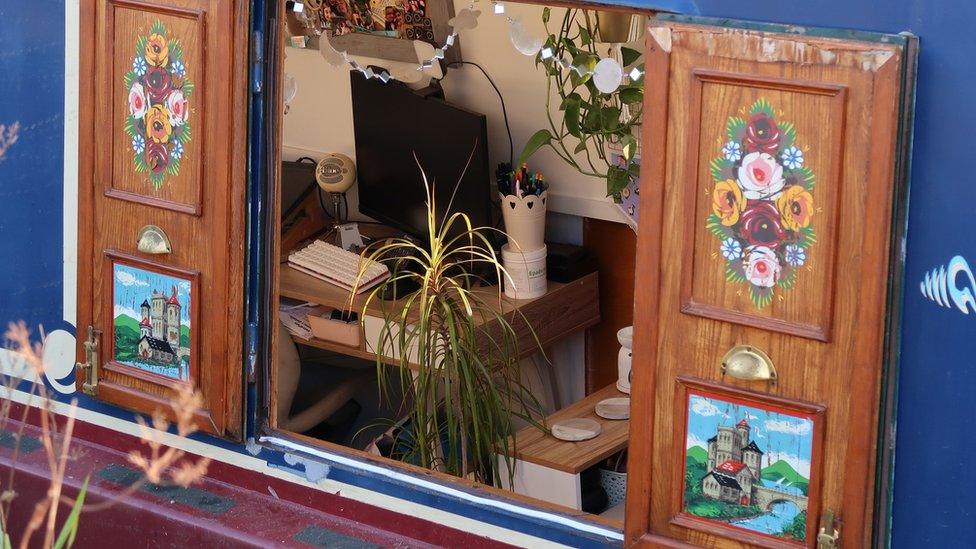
x=624, y=358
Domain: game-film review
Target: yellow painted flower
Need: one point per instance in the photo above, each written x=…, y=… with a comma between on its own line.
x=727, y=202
x=158, y=127
x=796, y=208
x=157, y=51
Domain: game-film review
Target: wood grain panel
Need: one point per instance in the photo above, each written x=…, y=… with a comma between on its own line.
x=826, y=337
x=126, y=21
x=805, y=309
x=114, y=203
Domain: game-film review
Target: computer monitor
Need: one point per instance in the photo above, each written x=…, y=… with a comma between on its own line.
x=392, y=123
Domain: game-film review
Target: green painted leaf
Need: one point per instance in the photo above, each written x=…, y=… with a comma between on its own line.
x=735, y=129
x=128, y=79
x=761, y=105
x=732, y=274
x=175, y=51
x=157, y=28
x=629, y=56
x=130, y=125
x=187, y=88
x=808, y=237
x=141, y=45
x=714, y=226
x=617, y=180
x=806, y=177
x=761, y=297
x=538, y=140
x=788, y=280
x=789, y=135
x=721, y=168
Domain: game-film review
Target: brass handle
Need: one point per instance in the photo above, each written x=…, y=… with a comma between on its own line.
x=153, y=240
x=748, y=363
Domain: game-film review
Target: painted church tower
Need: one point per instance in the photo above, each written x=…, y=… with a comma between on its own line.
x=173, y=320
x=145, y=327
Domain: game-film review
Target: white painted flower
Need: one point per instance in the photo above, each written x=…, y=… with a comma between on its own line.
x=762, y=267
x=731, y=249
x=792, y=158
x=732, y=151
x=138, y=104
x=795, y=256
x=760, y=176
x=178, y=107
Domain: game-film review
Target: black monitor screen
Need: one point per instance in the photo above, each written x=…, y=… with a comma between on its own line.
x=392, y=123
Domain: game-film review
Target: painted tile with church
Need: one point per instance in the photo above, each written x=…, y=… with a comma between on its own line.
x=152, y=321
x=747, y=466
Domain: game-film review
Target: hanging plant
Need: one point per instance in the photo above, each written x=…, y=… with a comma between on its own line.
x=590, y=121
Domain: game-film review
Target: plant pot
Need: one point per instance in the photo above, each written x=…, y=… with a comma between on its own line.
x=527, y=271
x=525, y=220
x=615, y=485
x=615, y=26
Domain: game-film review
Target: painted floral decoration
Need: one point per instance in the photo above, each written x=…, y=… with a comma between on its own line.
x=159, y=109
x=762, y=203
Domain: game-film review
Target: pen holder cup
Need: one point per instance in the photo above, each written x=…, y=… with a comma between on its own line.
x=525, y=220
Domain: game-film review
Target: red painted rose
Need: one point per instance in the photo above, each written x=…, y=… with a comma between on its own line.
x=157, y=156
x=158, y=84
x=760, y=225
x=762, y=134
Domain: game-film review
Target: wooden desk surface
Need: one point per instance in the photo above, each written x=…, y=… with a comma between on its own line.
x=563, y=310
x=540, y=448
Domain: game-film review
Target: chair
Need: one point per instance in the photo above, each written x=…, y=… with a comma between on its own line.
x=289, y=375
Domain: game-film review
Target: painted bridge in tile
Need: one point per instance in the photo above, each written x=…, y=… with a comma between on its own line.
x=764, y=497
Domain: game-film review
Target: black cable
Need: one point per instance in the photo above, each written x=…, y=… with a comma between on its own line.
x=508, y=127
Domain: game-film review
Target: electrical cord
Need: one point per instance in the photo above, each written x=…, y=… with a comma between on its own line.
x=501, y=99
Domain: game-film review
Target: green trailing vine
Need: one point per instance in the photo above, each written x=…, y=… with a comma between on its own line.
x=588, y=121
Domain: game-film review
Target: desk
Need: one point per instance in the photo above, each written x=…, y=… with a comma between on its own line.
x=562, y=311
x=548, y=468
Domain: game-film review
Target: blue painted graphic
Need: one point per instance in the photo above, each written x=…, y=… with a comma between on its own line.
x=951, y=285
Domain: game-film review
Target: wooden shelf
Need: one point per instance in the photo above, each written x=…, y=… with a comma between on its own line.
x=543, y=449
x=562, y=311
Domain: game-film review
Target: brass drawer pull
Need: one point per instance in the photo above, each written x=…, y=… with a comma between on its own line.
x=748, y=363
x=153, y=240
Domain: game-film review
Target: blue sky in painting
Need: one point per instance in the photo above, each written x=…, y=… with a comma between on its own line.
x=781, y=436
x=132, y=286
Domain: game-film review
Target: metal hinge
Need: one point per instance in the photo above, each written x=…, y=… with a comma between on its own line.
x=828, y=536
x=88, y=370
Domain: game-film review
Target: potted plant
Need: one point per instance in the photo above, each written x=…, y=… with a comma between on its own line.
x=591, y=125
x=464, y=393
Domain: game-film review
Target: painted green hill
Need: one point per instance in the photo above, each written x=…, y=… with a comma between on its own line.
x=698, y=454
x=127, y=322
x=184, y=336
x=783, y=470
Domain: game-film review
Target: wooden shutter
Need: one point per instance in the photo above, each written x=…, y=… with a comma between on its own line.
x=163, y=123
x=770, y=165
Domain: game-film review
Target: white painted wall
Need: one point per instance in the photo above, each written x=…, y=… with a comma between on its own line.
x=320, y=119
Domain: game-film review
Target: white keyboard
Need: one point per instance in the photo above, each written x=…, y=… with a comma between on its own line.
x=337, y=266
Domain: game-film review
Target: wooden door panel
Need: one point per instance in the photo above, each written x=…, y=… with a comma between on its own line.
x=162, y=145
x=151, y=125
x=715, y=275
x=773, y=167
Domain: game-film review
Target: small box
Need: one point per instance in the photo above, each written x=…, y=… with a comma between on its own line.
x=339, y=331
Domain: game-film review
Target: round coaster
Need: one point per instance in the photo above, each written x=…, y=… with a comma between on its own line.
x=614, y=408
x=576, y=429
